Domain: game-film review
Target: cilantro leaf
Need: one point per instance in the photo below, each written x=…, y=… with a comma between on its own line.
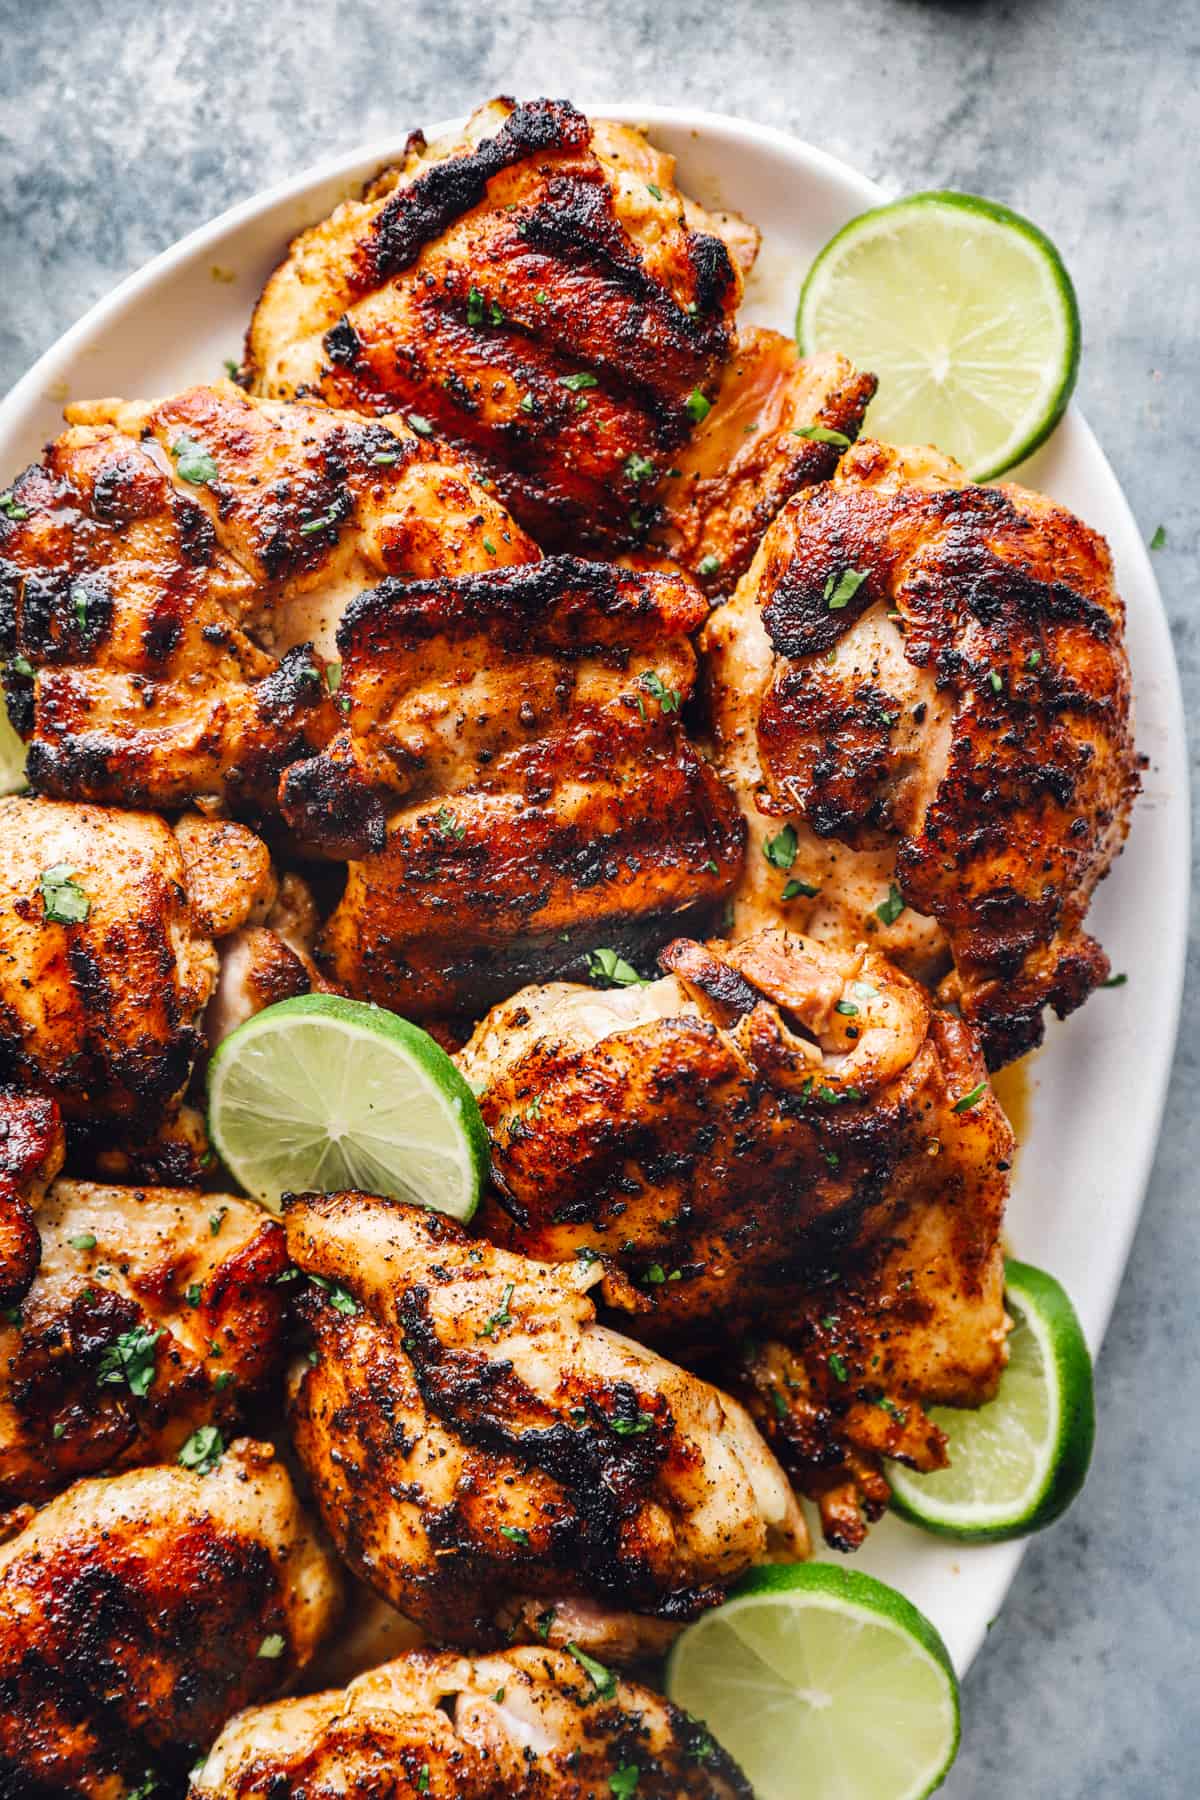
x=63, y=900
x=129, y=1361
x=203, y=1450
x=192, y=461
x=841, y=589
x=822, y=434
x=608, y=969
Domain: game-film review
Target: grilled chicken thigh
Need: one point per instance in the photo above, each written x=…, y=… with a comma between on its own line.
x=514, y=783
x=778, y=423
x=938, y=690
x=107, y=965
x=536, y=292
x=137, y=1614
x=154, y=1315
x=481, y=1449
x=723, y=1137
x=32, y=1144
x=531, y=1724
x=174, y=575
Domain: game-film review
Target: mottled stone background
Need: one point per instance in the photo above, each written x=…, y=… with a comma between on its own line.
x=122, y=125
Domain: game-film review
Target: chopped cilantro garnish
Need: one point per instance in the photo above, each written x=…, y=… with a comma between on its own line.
x=272, y=1647
x=83, y=1240
x=638, y=467
x=780, y=851
x=837, y=1367
x=21, y=665
x=420, y=424
x=792, y=889
x=889, y=910
x=997, y=681
x=129, y=1361
x=603, y=1681
x=654, y=1276
x=967, y=1101
x=203, y=1450
x=527, y=403
x=631, y=1427
x=609, y=969
x=447, y=825
x=193, y=1293
x=489, y=546
x=698, y=407
x=822, y=434
x=11, y=507
x=1115, y=981
x=515, y=1535
x=63, y=900
x=653, y=188
x=322, y=523
x=1033, y=659
x=841, y=589
x=847, y=1008
x=578, y=382
x=192, y=461
x=475, y=305
x=670, y=699
x=708, y=565
x=1158, y=541
x=423, y=1779
x=216, y=1220
x=500, y=1319
x=341, y=1300
x=624, y=1782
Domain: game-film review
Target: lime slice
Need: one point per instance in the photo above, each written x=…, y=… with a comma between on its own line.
x=822, y=1682
x=12, y=757
x=320, y=1093
x=967, y=315
x=1018, y=1462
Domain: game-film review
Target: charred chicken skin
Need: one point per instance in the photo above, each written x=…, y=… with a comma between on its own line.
x=514, y=782
x=154, y=1313
x=946, y=689
x=537, y=292
x=172, y=576
x=725, y=1136
x=531, y=1724
x=139, y=1613
x=480, y=1449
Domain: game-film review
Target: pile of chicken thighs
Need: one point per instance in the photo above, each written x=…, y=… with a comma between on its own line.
x=486, y=651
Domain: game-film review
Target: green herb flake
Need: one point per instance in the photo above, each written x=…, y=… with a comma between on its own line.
x=670, y=699
x=793, y=889
x=841, y=589
x=221, y=1380
x=500, y=1319
x=340, y=1298
x=642, y=1421
x=1118, y=980
x=837, y=1367
x=232, y=369
x=21, y=665
x=498, y=1696
x=578, y=382
x=653, y=188
x=541, y=296
x=323, y=523
x=145, y=1788
x=780, y=851
x=608, y=969
x=889, y=910
x=779, y=1403
x=63, y=900
x=638, y=468
x=1033, y=659
x=11, y=507
x=697, y=406
x=489, y=546
x=654, y=1276
x=603, y=1681
x=447, y=826
x=822, y=434
x=193, y=462
x=1159, y=540
x=193, y=1293
x=544, y=1622
x=84, y=1240
x=423, y=1779
x=203, y=1450
x=216, y=1220
x=891, y=1409
x=997, y=681
x=708, y=565
x=515, y=1535
x=129, y=1361
x=475, y=305
x=847, y=1008
x=420, y=424
x=333, y=676
x=624, y=1782
x=272, y=1647
x=967, y=1101
x=527, y=403
x=711, y=867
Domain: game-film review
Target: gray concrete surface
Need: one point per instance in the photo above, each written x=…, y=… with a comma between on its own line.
x=123, y=125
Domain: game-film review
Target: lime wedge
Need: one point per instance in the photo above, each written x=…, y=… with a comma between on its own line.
x=1018, y=1462
x=965, y=312
x=822, y=1682
x=320, y=1093
x=12, y=757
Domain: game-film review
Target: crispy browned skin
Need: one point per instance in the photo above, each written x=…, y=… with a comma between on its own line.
x=133, y=1615
x=32, y=1143
x=967, y=710
x=473, y=1436
x=102, y=1013
x=530, y=721
x=198, y=1270
x=748, y=455
x=540, y=296
x=727, y=1135
x=178, y=630
x=526, y=1725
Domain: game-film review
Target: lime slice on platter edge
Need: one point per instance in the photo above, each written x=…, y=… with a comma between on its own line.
x=321, y=1094
x=1017, y=1463
x=822, y=1682
x=964, y=310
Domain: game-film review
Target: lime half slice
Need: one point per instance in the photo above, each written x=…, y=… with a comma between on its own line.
x=822, y=1682
x=965, y=312
x=12, y=756
x=1018, y=1462
x=320, y=1093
